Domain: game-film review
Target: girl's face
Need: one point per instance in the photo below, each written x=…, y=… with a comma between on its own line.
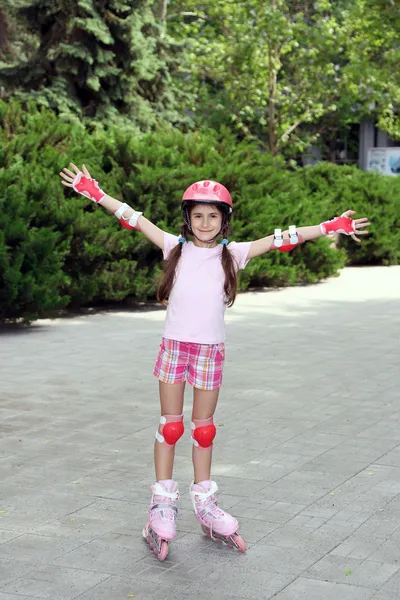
x=206, y=221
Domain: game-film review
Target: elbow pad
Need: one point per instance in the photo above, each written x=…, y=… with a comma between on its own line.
x=286, y=245
x=132, y=222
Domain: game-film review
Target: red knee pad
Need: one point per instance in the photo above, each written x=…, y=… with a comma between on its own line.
x=172, y=432
x=203, y=433
x=171, y=429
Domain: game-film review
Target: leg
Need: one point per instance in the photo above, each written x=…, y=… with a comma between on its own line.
x=204, y=404
x=171, y=401
x=215, y=522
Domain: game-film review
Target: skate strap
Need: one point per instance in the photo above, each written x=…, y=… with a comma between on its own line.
x=158, y=490
x=204, y=495
x=208, y=510
x=120, y=212
x=165, y=506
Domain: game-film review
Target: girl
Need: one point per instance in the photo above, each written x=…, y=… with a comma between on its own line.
x=199, y=281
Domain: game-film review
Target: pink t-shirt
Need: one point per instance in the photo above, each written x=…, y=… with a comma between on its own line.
x=196, y=305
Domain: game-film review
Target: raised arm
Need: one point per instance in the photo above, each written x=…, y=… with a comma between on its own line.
x=289, y=239
x=82, y=182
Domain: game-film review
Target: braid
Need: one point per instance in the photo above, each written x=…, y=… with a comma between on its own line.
x=230, y=268
x=168, y=276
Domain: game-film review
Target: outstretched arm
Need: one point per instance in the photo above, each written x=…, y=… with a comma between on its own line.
x=82, y=182
x=292, y=237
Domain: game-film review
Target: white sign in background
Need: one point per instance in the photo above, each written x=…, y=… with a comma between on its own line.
x=384, y=160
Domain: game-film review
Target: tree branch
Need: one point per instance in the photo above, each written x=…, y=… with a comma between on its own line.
x=188, y=14
x=294, y=126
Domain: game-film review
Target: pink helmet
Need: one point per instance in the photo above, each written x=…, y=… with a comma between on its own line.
x=207, y=191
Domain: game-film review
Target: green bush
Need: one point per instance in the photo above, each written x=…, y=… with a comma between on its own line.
x=370, y=195
x=58, y=249
x=31, y=251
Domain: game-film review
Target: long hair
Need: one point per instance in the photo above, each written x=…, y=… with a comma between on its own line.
x=227, y=260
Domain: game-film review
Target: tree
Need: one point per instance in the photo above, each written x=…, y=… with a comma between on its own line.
x=101, y=60
x=287, y=70
x=372, y=73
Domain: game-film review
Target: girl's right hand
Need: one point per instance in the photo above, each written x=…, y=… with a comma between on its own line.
x=82, y=182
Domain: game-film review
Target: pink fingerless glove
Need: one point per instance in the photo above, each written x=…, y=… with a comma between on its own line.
x=338, y=225
x=88, y=187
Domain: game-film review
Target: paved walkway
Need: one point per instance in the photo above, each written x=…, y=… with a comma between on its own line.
x=307, y=454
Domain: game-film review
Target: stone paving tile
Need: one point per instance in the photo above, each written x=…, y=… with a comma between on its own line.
x=38, y=548
x=284, y=560
x=308, y=589
x=307, y=454
x=11, y=569
x=6, y=535
x=295, y=535
x=388, y=552
x=392, y=586
x=339, y=569
x=244, y=583
x=109, y=554
x=358, y=546
x=55, y=583
x=14, y=597
x=119, y=588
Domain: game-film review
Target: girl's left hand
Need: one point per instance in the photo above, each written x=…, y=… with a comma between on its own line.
x=358, y=223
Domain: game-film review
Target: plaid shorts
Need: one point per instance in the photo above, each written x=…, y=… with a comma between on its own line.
x=201, y=365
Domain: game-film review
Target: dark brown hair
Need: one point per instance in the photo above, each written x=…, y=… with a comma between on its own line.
x=228, y=261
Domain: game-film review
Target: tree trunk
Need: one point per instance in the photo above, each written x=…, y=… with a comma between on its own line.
x=160, y=10
x=4, y=46
x=272, y=106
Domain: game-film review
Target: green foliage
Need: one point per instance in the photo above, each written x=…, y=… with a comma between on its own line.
x=372, y=74
x=95, y=61
x=289, y=72
x=374, y=196
x=58, y=249
x=31, y=250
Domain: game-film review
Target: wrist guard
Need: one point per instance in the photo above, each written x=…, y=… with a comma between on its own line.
x=338, y=225
x=88, y=187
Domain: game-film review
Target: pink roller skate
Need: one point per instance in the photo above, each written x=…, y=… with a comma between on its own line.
x=161, y=527
x=215, y=522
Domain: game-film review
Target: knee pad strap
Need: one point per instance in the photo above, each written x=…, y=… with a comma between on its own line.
x=203, y=433
x=171, y=429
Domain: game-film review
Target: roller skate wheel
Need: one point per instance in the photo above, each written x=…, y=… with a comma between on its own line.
x=239, y=541
x=164, y=551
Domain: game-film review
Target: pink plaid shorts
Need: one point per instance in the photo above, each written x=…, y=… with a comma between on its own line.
x=201, y=365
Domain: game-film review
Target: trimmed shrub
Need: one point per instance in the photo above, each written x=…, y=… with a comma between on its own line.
x=58, y=249
x=369, y=194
